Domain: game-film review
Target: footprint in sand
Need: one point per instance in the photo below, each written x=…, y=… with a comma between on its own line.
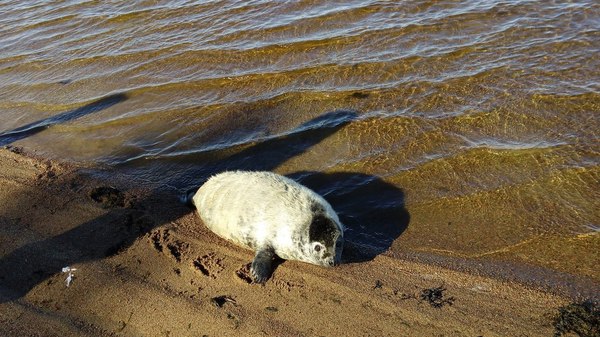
x=209, y=265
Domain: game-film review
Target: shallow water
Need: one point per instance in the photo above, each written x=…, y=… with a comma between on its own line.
x=467, y=129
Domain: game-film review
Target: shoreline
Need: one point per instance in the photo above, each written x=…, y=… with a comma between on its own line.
x=575, y=287
x=140, y=254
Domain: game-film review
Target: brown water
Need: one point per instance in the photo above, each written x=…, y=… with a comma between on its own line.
x=463, y=129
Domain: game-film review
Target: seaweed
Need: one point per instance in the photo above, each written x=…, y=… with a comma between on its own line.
x=435, y=297
x=581, y=318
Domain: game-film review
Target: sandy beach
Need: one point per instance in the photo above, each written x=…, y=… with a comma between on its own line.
x=144, y=265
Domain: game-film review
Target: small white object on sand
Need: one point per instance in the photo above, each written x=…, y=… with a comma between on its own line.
x=69, y=270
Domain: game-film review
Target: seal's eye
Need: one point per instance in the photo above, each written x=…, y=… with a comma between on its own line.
x=317, y=248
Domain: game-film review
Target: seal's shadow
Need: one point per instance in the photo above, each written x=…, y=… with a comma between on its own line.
x=371, y=209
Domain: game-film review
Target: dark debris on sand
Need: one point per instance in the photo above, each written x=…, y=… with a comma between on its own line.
x=435, y=297
x=582, y=319
x=109, y=197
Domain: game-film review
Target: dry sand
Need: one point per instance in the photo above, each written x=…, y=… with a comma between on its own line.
x=146, y=266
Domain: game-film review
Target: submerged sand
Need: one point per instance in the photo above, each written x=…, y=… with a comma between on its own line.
x=146, y=266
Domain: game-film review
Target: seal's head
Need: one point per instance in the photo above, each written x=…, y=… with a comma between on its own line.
x=326, y=240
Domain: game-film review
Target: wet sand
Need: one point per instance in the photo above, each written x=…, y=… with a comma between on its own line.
x=146, y=266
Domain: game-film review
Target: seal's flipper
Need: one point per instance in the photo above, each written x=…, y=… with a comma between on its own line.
x=188, y=198
x=262, y=266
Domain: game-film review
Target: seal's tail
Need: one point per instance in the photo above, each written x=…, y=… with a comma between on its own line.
x=188, y=198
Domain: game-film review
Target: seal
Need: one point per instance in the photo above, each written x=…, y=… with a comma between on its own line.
x=272, y=215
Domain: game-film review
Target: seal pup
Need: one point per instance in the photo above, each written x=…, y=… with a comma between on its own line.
x=272, y=215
